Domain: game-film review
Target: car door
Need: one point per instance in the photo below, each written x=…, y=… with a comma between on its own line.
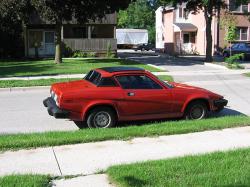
x=144, y=96
x=235, y=49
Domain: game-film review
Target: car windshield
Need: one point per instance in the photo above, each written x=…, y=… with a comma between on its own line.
x=93, y=77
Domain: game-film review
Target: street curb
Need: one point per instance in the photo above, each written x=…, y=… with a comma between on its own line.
x=215, y=65
x=13, y=89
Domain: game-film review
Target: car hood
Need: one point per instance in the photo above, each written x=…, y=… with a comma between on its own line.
x=189, y=88
x=72, y=86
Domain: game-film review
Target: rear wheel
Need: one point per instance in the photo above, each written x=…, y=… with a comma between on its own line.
x=101, y=117
x=225, y=54
x=196, y=110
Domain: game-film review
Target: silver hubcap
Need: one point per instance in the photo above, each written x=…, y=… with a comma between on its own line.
x=102, y=119
x=197, y=112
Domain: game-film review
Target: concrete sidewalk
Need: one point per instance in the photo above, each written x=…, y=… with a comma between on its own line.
x=90, y=158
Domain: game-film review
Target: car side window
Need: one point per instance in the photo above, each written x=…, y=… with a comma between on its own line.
x=137, y=82
x=235, y=46
x=107, y=82
x=241, y=46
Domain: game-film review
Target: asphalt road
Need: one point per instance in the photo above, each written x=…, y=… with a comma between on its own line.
x=23, y=111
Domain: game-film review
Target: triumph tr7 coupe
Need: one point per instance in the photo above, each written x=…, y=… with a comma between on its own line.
x=111, y=94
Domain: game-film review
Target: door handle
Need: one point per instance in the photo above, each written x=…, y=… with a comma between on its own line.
x=131, y=94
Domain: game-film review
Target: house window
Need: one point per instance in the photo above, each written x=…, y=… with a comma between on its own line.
x=183, y=13
x=75, y=32
x=242, y=33
x=237, y=7
x=102, y=31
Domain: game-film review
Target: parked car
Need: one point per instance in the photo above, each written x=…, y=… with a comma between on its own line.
x=144, y=47
x=238, y=48
x=111, y=94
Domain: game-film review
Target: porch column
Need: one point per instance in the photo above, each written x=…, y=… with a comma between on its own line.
x=114, y=32
x=25, y=40
x=89, y=32
x=180, y=51
x=62, y=37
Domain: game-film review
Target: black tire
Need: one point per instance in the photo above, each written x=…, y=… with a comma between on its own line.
x=81, y=124
x=225, y=54
x=101, y=117
x=196, y=110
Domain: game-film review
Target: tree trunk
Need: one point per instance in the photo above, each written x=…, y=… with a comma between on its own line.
x=208, y=17
x=58, y=52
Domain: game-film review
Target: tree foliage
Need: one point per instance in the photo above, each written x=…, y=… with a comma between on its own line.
x=139, y=15
x=12, y=15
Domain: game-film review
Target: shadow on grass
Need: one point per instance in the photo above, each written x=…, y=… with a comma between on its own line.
x=132, y=181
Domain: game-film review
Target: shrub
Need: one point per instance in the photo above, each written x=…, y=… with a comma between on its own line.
x=232, y=61
x=109, y=53
x=79, y=54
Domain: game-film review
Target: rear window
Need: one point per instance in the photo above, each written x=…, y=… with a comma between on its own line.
x=97, y=79
x=93, y=77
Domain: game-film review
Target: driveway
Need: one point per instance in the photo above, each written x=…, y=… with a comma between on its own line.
x=230, y=83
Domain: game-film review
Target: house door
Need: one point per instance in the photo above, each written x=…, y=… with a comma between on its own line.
x=49, y=43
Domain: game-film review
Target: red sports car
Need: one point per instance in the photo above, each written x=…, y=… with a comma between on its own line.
x=110, y=94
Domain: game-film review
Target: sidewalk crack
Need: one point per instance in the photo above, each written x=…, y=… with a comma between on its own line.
x=57, y=161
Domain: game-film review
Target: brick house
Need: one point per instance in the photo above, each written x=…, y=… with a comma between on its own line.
x=180, y=32
x=94, y=36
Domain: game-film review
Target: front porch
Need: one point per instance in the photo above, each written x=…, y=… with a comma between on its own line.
x=40, y=39
x=185, y=35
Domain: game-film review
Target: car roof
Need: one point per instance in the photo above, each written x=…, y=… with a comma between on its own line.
x=121, y=69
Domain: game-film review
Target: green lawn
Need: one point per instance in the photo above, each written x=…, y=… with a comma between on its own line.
x=216, y=169
x=48, y=82
x=75, y=66
x=247, y=74
x=25, y=181
x=33, y=140
x=30, y=83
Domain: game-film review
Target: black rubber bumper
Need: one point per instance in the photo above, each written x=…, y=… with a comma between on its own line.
x=220, y=103
x=54, y=110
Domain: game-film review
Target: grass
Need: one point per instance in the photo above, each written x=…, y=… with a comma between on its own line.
x=216, y=169
x=69, y=66
x=25, y=181
x=247, y=74
x=48, y=82
x=33, y=140
x=166, y=77
x=30, y=83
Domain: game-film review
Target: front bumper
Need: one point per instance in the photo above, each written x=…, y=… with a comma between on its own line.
x=220, y=103
x=54, y=110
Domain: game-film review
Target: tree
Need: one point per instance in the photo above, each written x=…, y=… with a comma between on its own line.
x=139, y=15
x=228, y=22
x=210, y=8
x=60, y=11
x=13, y=14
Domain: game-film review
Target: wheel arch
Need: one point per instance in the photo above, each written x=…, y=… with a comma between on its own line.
x=202, y=99
x=90, y=108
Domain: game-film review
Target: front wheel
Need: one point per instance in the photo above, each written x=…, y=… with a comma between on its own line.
x=101, y=117
x=196, y=110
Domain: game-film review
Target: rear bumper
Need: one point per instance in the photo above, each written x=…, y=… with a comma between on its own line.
x=54, y=110
x=220, y=103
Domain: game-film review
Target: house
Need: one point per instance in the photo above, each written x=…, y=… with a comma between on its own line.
x=94, y=36
x=181, y=32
